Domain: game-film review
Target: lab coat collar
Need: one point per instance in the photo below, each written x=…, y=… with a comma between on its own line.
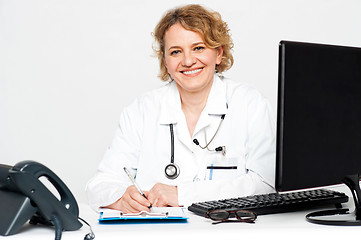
x=217, y=99
x=171, y=105
x=171, y=110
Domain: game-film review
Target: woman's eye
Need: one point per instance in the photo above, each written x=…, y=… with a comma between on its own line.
x=199, y=48
x=174, y=52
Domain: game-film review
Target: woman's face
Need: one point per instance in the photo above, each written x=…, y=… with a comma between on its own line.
x=188, y=60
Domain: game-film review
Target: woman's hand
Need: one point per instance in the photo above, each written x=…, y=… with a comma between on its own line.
x=131, y=202
x=162, y=195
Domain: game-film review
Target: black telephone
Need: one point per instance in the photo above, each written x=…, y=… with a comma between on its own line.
x=24, y=197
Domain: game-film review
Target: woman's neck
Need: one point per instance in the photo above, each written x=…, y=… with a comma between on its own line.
x=193, y=104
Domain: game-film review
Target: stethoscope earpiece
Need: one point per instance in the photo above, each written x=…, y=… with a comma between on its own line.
x=196, y=141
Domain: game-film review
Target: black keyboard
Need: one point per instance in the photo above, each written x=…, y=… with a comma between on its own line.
x=274, y=202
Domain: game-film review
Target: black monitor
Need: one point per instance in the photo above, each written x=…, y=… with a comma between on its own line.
x=319, y=120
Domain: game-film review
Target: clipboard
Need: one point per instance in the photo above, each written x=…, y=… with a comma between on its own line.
x=156, y=214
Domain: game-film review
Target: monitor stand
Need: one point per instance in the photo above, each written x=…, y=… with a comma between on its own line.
x=342, y=216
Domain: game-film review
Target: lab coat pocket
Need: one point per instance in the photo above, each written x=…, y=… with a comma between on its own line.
x=220, y=167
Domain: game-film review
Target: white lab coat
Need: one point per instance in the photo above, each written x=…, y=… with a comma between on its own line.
x=142, y=143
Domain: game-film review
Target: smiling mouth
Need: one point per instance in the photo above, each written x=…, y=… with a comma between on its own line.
x=192, y=71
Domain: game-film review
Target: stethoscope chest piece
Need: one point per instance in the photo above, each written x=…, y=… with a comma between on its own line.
x=171, y=171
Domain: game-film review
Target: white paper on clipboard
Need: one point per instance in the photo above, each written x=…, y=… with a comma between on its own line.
x=155, y=213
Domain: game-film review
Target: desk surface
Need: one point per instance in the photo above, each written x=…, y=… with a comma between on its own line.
x=282, y=226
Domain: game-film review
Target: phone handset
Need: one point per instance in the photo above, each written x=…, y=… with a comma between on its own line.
x=63, y=213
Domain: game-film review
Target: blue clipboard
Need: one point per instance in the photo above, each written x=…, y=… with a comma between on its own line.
x=156, y=215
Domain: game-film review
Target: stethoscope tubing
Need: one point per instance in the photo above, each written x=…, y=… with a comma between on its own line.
x=172, y=143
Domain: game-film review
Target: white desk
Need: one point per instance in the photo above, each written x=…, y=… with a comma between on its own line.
x=274, y=226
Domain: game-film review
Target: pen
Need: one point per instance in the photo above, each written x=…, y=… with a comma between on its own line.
x=135, y=184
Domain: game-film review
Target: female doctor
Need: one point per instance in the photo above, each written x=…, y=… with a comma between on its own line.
x=200, y=137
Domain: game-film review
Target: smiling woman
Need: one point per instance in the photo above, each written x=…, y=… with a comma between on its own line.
x=189, y=62
x=208, y=24
x=160, y=136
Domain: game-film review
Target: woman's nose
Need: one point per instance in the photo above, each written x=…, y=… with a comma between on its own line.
x=188, y=60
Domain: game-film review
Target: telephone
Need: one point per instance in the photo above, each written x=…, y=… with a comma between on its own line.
x=24, y=197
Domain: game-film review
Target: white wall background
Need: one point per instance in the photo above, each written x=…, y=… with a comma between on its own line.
x=68, y=67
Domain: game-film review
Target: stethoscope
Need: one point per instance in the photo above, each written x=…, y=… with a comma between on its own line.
x=172, y=170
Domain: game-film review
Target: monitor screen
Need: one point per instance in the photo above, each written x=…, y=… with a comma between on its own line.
x=319, y=115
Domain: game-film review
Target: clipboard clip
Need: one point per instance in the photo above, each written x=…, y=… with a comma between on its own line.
x=144, y=214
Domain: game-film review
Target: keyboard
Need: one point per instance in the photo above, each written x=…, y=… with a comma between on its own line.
x=274, y=202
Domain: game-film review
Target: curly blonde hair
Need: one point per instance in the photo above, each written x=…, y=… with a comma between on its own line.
x=196, y=18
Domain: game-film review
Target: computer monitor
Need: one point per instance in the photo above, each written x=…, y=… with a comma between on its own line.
x=319, y=120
